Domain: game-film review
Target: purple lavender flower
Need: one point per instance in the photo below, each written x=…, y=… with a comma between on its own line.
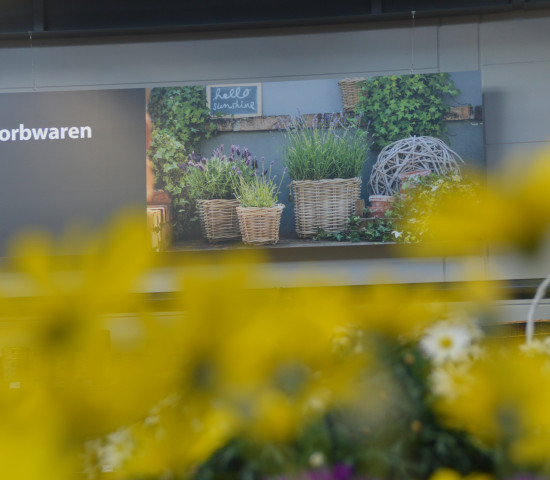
x=341, y=471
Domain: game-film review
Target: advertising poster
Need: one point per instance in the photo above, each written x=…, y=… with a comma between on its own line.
x=313, y=147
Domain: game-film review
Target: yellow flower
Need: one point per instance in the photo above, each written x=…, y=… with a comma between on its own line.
x=449, y=474
x=502, y=399
x=512, y=211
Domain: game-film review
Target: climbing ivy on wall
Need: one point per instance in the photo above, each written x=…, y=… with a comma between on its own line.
x=399, y=106
x=181, y=121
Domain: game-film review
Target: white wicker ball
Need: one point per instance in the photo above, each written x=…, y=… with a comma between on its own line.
x=408, y=155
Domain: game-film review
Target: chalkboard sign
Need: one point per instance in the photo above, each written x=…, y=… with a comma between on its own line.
x=243, y=100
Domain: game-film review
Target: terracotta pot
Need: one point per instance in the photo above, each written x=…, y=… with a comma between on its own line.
x=380, y=204
x=404, y=178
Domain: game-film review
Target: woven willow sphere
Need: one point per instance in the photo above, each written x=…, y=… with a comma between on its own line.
x=409, y=155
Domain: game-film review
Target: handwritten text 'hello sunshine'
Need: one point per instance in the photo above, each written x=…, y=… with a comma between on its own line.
x=233, y=99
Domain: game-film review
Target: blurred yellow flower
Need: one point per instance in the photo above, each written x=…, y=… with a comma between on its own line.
x=511, y=212
x=502, y=400
x=449, y=474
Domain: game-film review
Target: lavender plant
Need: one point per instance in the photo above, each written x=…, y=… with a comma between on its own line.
x=215, y=177
x=261, y=190
x=330, y=147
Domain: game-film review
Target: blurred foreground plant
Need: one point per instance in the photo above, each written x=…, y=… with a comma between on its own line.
x=236, y=381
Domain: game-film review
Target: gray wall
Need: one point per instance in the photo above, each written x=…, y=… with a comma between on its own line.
x=510, y=50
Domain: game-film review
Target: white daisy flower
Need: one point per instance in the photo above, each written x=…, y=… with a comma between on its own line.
x=446, y=341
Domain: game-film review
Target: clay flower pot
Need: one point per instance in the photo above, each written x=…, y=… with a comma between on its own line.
x=380, y=204
x=406, y=177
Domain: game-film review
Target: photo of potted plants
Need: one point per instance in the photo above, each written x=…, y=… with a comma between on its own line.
x=210, y=182
x=325, y=158
x=259, y=213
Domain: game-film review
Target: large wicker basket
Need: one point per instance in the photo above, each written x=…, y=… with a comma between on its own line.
x=324, y=204
x=260, y=225
x=349, y=87
x=218, y=219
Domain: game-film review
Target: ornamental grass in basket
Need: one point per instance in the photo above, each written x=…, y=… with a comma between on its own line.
x=325, y=147
x=210, y=183
x=325, y=158
x=259, y=213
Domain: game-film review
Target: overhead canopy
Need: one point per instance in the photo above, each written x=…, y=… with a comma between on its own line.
x=114, y=17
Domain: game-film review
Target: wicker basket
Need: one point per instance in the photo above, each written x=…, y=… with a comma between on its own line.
x=325, y=204
x=260, y=225
x=218, y=219
x=350, y=92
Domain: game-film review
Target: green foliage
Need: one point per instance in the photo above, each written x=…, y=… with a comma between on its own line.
x=405, y=440
x=182, y=113
x=400, y=106
x=329, y=148
x=376, y=230
x=181, y=120
x=258, y=191
x=215, y=177
x=424, y=194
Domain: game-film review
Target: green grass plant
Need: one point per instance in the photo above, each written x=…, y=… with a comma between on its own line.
x=330, y=147
x=259, y=190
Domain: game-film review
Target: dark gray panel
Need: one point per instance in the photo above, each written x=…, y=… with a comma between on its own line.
x=50, y=183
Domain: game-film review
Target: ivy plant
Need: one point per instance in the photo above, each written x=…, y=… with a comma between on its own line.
x=376, y=230
x=181, y=120
x=400, y=106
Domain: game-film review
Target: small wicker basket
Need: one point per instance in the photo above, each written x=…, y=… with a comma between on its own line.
x=324, y=204
x=349, y=87
x=260, y=225
x=218, y=219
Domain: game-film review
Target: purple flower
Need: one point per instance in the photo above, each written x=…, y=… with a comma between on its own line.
x=341, y=471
